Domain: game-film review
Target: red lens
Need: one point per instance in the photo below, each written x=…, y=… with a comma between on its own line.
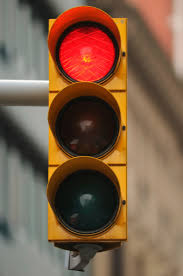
x=87, y=53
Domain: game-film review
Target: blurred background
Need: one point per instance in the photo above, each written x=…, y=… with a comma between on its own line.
x=155, y=141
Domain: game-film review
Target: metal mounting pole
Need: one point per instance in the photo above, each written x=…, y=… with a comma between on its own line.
x=24, y=92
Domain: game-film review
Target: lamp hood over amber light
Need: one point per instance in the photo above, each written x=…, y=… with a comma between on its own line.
x=87, y=116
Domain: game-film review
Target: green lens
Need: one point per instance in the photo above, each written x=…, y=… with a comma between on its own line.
x=86, y=201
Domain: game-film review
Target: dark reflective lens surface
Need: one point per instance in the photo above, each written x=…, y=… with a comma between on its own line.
x=87, y=126
x=86, y=201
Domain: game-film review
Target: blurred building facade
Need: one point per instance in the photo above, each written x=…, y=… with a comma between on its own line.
x=155, y=143
x=24, y=249
x=165, y=20
x=155, y=135
x=157, y=16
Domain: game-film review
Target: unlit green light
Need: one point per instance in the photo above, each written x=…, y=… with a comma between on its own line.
x=86, y=201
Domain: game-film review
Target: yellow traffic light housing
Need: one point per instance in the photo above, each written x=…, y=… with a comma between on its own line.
x=87, y=185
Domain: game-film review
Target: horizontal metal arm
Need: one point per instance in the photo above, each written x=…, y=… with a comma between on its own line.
x=24, y=92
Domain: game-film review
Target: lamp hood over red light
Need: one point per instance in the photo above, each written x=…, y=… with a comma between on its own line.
x=85, y=44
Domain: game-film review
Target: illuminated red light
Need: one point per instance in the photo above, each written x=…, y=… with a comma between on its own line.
x=87, y=53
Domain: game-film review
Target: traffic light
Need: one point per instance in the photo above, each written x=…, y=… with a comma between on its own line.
x=87, y=186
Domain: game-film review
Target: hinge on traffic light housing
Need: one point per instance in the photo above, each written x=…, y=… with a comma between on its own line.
x=79, y=259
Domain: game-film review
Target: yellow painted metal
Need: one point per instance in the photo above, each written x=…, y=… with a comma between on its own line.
x=117, y=81
x=119, y=102
x=77, y=90
x=115, y=160
x=116, y=232
x=80, y=14
x=74, y=165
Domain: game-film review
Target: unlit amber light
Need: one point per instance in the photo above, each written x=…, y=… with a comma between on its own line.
x=87, y=126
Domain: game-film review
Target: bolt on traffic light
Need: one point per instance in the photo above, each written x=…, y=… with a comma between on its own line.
x=87, y=186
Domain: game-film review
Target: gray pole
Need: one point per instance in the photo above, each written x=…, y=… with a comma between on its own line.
x=24, y=92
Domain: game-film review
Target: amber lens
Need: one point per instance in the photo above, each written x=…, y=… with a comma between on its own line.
x=87, y=126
